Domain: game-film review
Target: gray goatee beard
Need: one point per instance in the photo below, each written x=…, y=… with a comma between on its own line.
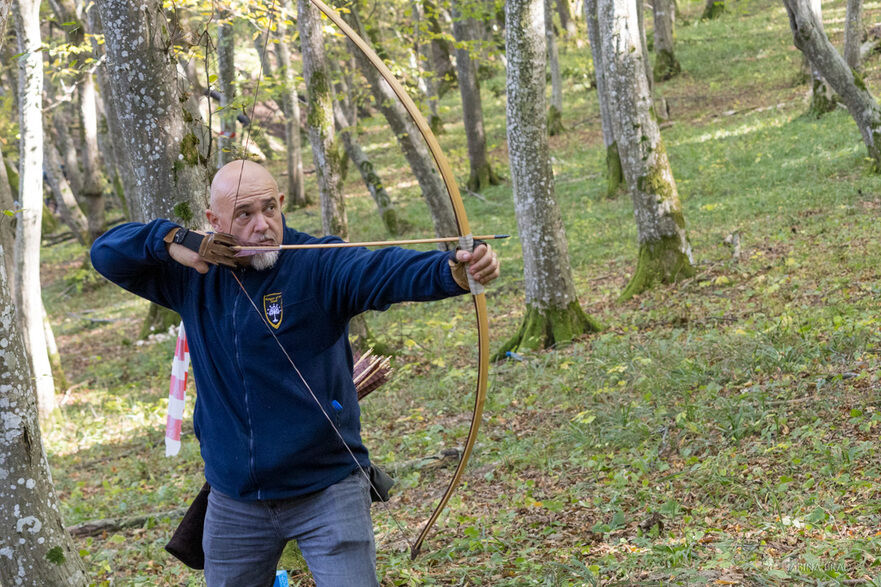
x=263, y=261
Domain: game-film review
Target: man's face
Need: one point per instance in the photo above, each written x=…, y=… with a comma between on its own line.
x=245, y=202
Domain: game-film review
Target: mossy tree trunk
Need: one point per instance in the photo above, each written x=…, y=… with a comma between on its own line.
x=666, y=64
x=482, y=174
x=664, y=251
x=713, y=9
x=810, y=39
x=823, y=99
x=319, y=121
x=441, y=51
x=614, y=173
x=553, y=313
x=555, y=106
x=164, y=139
x=853, y=32
x=36, y=548
x=226, y=69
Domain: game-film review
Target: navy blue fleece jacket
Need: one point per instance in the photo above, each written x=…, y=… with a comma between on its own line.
x=262, y=435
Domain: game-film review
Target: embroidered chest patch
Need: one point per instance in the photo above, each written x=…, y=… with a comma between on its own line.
x=272, y=309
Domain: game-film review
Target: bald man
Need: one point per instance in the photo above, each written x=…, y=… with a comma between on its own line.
x=277, y=467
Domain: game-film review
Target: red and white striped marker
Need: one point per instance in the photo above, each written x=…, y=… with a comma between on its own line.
x=177, y=394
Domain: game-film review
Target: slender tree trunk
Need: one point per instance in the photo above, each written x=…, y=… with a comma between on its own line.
x=226, y=68
x=553, y=314
x=408, y=136
x=8, y=220
x=811, y=40
x=666, y=64
x=58, y=376
x=68, y=208
x=566, y=21
x=442, y=64
x=30, y=194
x=614, y=172
x=93, y=184
x=853, y=32
x=647, y=64
x=36, y=549
x=482, y=175
x=823, y=98
x=713, y=9
x=555, y=108
x=320, y=121
x=664, y=250
x=62, y=123
x=291, y=106
x=427, y=78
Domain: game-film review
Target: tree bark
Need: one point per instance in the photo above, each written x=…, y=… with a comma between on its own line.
x=555, y=108
x=553, y=313
x=372, y=181
x=93, y=180
x=614, y=172
x=226, y=69
x=35, y=549
x=666, y=64
x=62, y=123
x=8, y=220
x=319, y=121
x=30, y=194
x=482, y=175
x=853, y=33
x=291, y=106
x=164, y=138
x=810, y=39
x=823, y=98
x=68, y=208
x=409, y=138
x=664, y=251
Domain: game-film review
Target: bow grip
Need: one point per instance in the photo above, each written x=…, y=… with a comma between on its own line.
x=466, y=243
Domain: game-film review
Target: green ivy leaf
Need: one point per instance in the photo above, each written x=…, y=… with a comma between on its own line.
x=56, y=555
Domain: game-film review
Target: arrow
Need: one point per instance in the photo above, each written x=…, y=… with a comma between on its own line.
x=245, y=250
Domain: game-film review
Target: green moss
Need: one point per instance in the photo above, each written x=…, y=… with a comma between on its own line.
x=189, y=148
x=183, y=211
x=659, y=262
x=823, y=100
x=614, y=171
x=858, y=80
x=482, y=177
x=548, y=328
x=713, y=10
x=555, y=122
x=319, y=102
x=666, y=66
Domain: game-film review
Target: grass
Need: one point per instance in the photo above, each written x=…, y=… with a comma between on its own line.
x=720, y=431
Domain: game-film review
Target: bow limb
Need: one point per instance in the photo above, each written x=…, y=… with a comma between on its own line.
x=465, y=241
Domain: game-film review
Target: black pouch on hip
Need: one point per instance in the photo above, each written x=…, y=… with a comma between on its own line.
x=186, y=542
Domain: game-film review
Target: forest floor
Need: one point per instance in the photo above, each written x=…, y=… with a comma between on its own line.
x=721, y=431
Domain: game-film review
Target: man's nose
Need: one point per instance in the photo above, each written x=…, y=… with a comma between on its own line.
x=260, y=224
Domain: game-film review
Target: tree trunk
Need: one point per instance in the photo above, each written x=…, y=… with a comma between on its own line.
x=427, y=81
x=226, y=72
x=58, y=376
x=68, y=208
x=384, y=204
x=664, y=250
x=853, y=33
x=291, y=106
x=408, y=136
x=647, y=64
x=810, y=39
x=666, y=64
x=30, y=194
x=164, y=139
x=553, y=314
x=36, y=549
x=566, y=21
x=614, y=172
x=823, y=98
x=319, y=121
x=482, y=175
x=713, y=9
x=8, y=219
x=442, y=65
x=93, y=181
x=62, y=123
x=555, y=108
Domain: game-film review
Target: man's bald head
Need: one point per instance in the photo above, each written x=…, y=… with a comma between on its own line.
x=240, y=177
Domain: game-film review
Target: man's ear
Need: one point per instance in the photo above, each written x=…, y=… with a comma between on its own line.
x=214, y=220
x=281, y=201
